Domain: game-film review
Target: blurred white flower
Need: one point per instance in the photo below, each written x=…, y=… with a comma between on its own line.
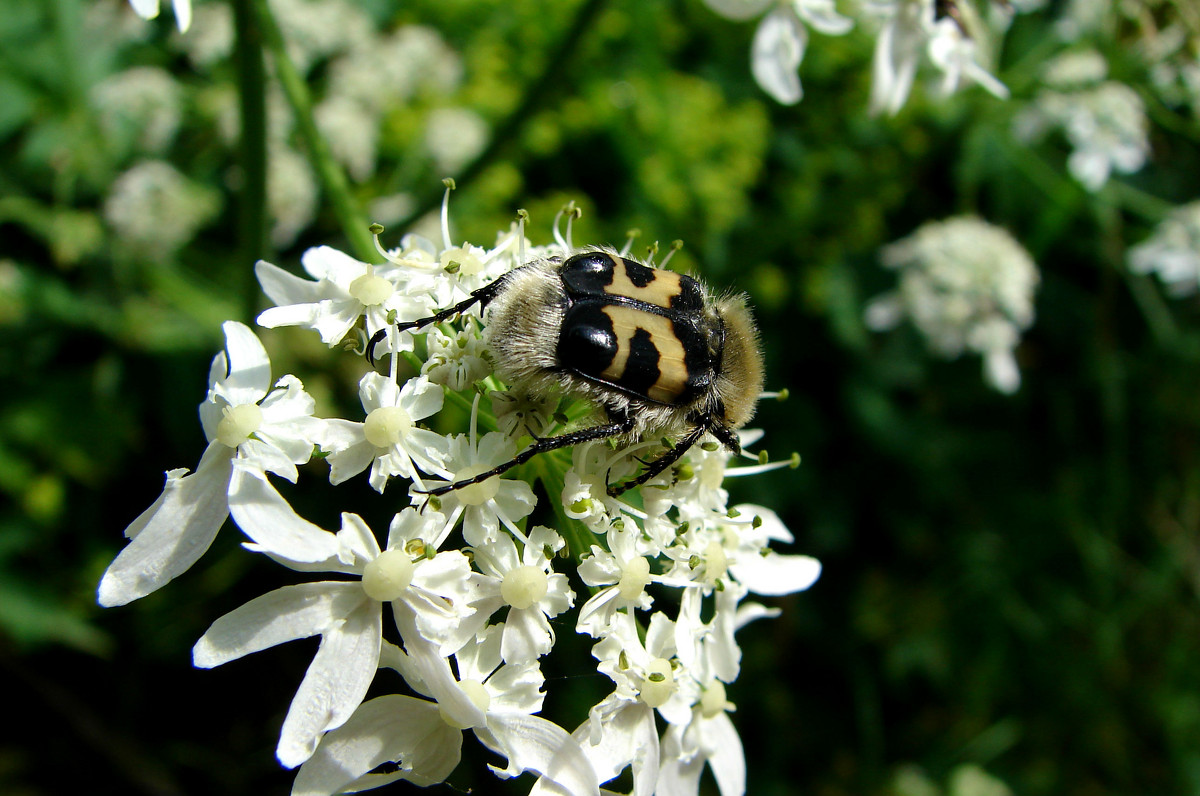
x=454, y=136
x=966, y=285
x=143, y=104
x=910, y=31
x=1103, y=121
x=781, y=38
x=148, y=9
x=155, y=210
x=1173, y=251
x=292, y=193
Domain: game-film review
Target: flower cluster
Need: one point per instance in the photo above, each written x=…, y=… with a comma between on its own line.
x=1104, y=121
x=966, y=285
x=1173, y=251
x=909, y=33
x=468, y=580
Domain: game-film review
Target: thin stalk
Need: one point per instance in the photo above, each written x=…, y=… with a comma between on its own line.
x=329, y=172
x=252, y=149
x=537, y=94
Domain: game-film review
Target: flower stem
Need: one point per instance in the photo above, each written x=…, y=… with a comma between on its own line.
x=252, y=149
x=329, y=172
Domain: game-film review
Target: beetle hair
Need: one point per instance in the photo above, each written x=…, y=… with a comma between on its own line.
x=740, y=377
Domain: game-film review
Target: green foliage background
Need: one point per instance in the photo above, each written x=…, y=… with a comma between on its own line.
x=1010, y=582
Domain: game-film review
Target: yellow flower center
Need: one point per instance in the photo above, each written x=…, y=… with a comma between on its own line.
x=634, y=578
x=476, y=494
x=386, y=578
x=523, y=586
x=386, y=426
x=371, y=290
x=238, y=423
x=658, y=684
x=479, y=697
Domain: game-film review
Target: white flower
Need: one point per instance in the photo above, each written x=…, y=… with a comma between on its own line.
x=1103, y=121
x=142, y=104
x=455, y=361
x=292, y=191
x=781, y=38
x=485, y=506
x=956, y=55
x=496, y=702
x=620, y=730
x=388, y=440
x=533, y=592
x=519, y=414
x=148, y=9
x=966, y=285
x=435, y=590
x=454, y=136
x=624, y=572
x=352, y=131
x=911, y=30
x=155, y=210
x=1173, y=251
x=346, y=290
x=585, y=488
x=265, y=431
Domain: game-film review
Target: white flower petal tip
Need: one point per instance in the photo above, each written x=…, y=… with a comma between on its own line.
x=172, y=534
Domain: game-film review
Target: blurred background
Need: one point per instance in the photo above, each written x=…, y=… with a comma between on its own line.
x=1009, y=601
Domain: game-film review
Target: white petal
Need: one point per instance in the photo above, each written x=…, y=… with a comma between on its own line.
x=286, y=289
x=726, y=757
x=533, y=744
x=749, y=611
x=335, y=683
x=347, y=462
x=823, y=17
x=738, y=9
x=775, y=574
x=288, y=315
x=678, y=777
x=183, y=14
x=435, y=672
x=1001, y=371
x=173, y=533
x=326, y=262
x=527, y=635
x=249, y=368
x=627, y=736
x=357, y=538
x=776, y=53
x=263, y=515
x=146, y=9
x=335, y=318
x=285, y=614
x=422, y=398
x=391, y=728
x=267, y=457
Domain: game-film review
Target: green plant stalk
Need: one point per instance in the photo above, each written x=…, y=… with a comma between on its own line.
x=252, y=149
x=332, y=177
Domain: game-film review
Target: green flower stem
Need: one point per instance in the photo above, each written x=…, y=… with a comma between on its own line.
x=537, y=94
x=553, y=478
x=252, y=149
x=332, y=177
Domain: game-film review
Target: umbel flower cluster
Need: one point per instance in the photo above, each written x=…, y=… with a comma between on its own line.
x=966, y=285
x=457, y=597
